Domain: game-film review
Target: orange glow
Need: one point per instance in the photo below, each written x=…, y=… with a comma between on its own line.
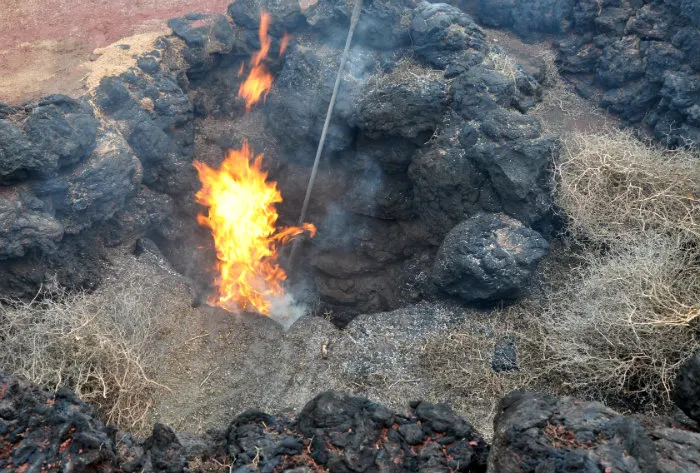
x=284, y=43
x=259, y=81
x=242, y=218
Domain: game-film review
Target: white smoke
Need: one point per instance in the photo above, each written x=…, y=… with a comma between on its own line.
x=286, y=310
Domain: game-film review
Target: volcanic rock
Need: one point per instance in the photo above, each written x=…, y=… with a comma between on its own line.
x=448, y=186
x=486, y=158
x=677, y=450
x=537, y=432
x=26, y=223
x=382, y=25
x=41, y=431
x=686, y=390
x=300, y=97
x=526, y=17
x=407, y=108
x=356, y=427
x=444, y=34
x=205, y=36
x=55, y=132
x=505, y=356
x=155, y=117
x=638, y=55
x=94, y=190
x=488, y=257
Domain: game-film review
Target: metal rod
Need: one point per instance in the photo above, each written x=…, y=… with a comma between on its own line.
x=319, y=150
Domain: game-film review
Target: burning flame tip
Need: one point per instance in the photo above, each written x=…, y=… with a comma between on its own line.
x=259, y=81
x=241, y=203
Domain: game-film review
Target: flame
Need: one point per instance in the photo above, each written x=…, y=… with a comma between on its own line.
x=284, y=43
x=242, y=218
x=259, y=81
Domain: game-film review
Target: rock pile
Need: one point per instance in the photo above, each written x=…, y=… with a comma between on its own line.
x=340, y=433
x=426, y=134
x=637, y=58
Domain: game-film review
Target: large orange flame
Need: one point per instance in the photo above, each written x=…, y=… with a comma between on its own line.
x=259, y=80
x=242, y=218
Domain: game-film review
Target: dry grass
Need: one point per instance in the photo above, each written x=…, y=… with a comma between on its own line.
x=612, y=186
x=628, y=316
x=113, y=60
x=624, y=323
x=503, y=63
x=406, y=72
x=106, y=346
x=458, y=366
x=617, y=320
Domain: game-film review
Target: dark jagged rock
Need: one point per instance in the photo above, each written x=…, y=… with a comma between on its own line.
x=526, y=17
x=362, y=435
x=340, y=433
x=287, y=16
x=537, y=432
x=638, y=54
x=382, y=25
x=205, y=37
x=93, y=191
x=41, y=432
x=27, y=223
x=487, y=158
x=444, y=34
x=155, y=117
x=448, y=186
x=632, y=53
x=291, y=105
x=37, y=217
x=505, y=356
x=488, y=257
x=677, y=450
x=686, y=390
x=55, y=132
x=74, y=263
x=408, y=109
x=146, y=211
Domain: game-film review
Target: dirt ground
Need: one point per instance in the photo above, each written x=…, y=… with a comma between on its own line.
x=44, y=42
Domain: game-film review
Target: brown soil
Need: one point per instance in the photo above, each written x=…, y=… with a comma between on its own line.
x=44, y=42
x=562, y=110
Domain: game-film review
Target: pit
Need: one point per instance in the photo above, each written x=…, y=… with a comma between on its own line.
x=431, y=203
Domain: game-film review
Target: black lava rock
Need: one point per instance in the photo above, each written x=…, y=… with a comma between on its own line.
x=526, y=17
x=444, y=34
x=46, y=432
x=686, y=388
x=406, y=109
x=205, y=36
x=505, y=356
x=382, y=25
x=488, y=257
x=55, y=132
x=537, y=432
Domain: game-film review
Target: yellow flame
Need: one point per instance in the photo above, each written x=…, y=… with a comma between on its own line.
x=242, y=218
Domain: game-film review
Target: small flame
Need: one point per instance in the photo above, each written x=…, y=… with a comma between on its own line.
x=284, y=43
x=259, y=81
x=242, y=218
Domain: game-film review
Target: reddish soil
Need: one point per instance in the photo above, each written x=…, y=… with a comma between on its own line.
x=43, y=42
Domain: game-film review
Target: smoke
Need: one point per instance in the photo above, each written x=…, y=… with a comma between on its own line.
x=286, y=310
x=296, y=302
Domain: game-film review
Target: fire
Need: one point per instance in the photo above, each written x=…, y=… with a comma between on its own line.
x=259, y=80
x=284, y=43
x=242, y=218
